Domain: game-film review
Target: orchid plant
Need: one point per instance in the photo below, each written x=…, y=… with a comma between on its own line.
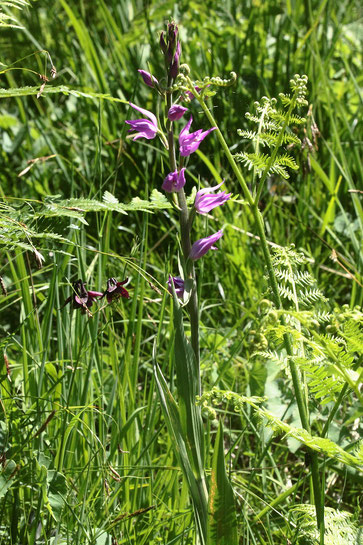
x=183, y=288
x=214, y=507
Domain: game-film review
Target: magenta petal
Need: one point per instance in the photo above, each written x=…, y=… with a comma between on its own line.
x=185, y=132
x=205, y=201
x=201, y=247
x=94, y=294
x=148, y=114
x=190, y=142
x=176, y=112
x=144, y=127
x=178, y=285
x=174, y=181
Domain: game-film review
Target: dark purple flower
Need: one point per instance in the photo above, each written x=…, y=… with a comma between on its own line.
x=205, y=202
x=178, y=285
x=148, y=78
x=174, y=181
x=176, y=112
x=81, y=297
x=202, y=245
x=190, y=142
x=146, y=129
x=115, y=290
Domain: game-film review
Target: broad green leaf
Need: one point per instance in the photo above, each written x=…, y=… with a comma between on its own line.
x=196, y=486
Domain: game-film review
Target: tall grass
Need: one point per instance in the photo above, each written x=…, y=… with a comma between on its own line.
x=86, y=454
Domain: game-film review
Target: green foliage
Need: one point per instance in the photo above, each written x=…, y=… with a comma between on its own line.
x=340, y=529
x=184, y=420
x=84, y=457
x=7, y=20
x=222, y=520
x=294, y=285
x=319, y=444
x=274, y=130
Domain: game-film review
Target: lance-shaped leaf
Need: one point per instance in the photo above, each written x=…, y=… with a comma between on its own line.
x=222, y=519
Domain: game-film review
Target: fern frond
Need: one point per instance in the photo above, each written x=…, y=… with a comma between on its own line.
x=340, y=529
x=319, y=444
x=10, y=21
x=308, y=297
x=266, y=125
x=287, y=161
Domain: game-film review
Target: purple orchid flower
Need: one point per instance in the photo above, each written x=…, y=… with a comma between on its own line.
x=81, y=297
x=190, y=142
x=176, y=112
x=205, y=202
x=202, y=245
x=148, y=78
x=146, y=129
x=115, y=290
x=174, y=181
x=178, y=285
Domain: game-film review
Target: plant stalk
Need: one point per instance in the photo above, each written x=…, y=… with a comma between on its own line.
x=185, y=227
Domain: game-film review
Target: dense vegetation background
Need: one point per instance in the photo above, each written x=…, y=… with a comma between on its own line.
x=85, y=454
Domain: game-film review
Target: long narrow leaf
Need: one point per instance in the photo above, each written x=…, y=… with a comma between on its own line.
x=222, y=519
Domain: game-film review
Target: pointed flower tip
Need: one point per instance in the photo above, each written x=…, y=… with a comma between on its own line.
x=201, y=246
x=190, y=142
x=144, y=127
x=149, y=80
x=205, y=201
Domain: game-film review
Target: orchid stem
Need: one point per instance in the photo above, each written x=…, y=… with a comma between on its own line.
x=185, y=228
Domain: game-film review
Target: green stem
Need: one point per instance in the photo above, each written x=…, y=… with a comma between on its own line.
x=185, y=227
x=298, y=387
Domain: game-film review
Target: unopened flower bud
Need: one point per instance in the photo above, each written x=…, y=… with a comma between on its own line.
x=174, y=69
x=163, y=45
x=148, y=78
x=176, y=112
x=172, y=41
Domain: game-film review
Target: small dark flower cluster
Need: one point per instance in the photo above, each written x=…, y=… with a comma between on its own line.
x=83, y=298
